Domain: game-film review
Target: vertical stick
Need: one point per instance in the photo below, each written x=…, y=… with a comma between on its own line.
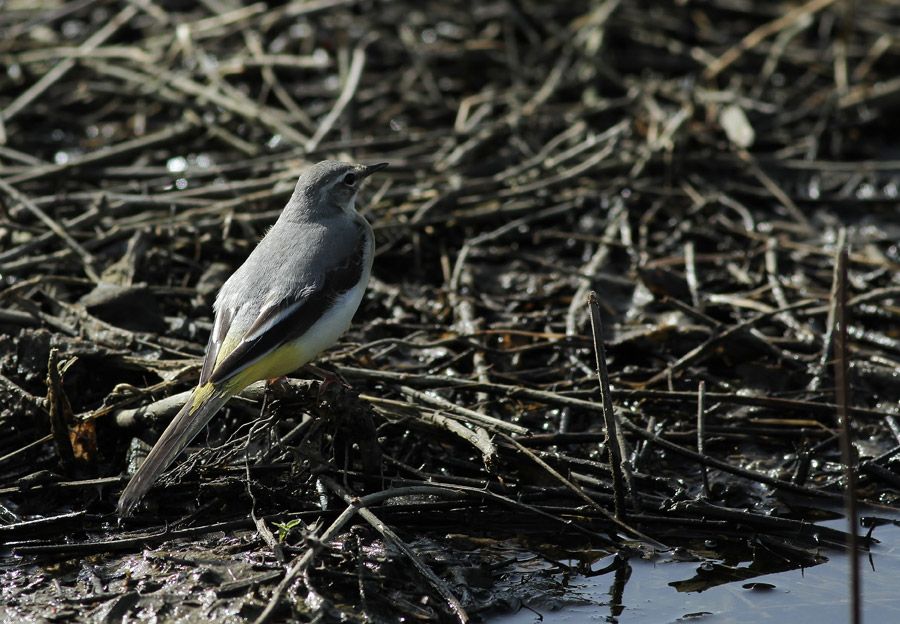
x=701, y=433
x=614, y=440
x=842, y=398
x=60, y=411
x=690, y=266
x=830, y=322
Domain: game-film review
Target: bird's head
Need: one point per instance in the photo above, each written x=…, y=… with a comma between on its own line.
x=329, y=188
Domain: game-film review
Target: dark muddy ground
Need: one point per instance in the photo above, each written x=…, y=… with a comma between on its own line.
x=708, y=168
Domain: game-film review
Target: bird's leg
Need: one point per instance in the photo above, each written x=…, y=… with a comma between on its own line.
x=268, y=394
x=328, y=379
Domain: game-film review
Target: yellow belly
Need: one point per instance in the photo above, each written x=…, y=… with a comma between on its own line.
x=283, y=360
x=280, y=362
x=291, y=356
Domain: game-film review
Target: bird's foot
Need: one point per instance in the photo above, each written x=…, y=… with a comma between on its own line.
x=270, y=391
x=275, y=381
x=329, y=379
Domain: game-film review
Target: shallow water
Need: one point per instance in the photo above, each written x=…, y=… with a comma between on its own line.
x=816, y=595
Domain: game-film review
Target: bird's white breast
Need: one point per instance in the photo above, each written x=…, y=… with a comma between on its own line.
x=332, y=325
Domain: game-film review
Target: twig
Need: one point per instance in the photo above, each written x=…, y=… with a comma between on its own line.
x=26, y=448
x=61, y=68
x=773, y=188
x=388, y=534
x=173, y=132
x=60, y=411
x=580, y=493
x=303, y=562
x=555, y=398
x=558, y=399
x=842, y=398
x=831, y=323
x=789, y=525
x=86, y=258
x=468, y=414
x=756, y=36
x=701, y=433
x=478, y=438
x=701, y=351
x=357, y=63
x=690, y=266
x=615, y=444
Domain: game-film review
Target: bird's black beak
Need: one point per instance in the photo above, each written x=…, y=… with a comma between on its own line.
x=368, y=170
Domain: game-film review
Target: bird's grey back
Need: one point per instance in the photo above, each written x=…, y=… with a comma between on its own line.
x=309, y=236
x=291, y=257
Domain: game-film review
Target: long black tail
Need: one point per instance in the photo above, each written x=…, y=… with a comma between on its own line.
x=183, y=428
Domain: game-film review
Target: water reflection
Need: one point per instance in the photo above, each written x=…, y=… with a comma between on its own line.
x=672, y=590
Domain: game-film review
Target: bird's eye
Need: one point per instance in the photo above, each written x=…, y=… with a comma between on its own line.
x=350, y=179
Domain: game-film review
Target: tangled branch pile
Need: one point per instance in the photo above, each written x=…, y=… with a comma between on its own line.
x=699, y=165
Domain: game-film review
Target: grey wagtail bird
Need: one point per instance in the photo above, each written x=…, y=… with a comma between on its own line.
x=293, y=297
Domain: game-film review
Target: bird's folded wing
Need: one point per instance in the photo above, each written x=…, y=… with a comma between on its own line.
x=275, y=325
x=289, y=318
x=216, y=338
